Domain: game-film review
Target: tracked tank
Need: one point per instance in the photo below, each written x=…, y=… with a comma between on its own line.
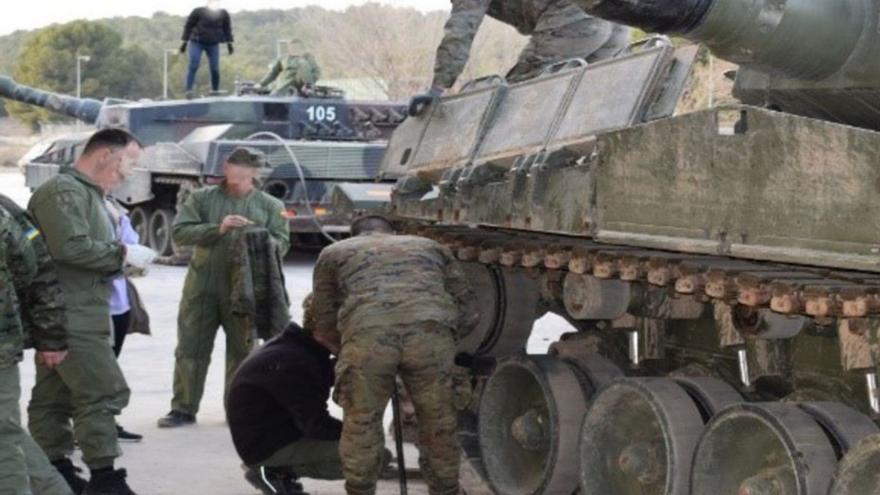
x=319, y=141
x=720, y=269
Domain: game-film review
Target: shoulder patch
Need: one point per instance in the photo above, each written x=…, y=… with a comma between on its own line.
x=31, y=233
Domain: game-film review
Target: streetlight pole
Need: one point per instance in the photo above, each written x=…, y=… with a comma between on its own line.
x=711, y=81
x=165, y=54
x=278, y=43
x=79, y=60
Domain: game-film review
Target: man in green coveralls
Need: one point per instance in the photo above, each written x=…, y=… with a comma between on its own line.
x=207, y=221
x=291, y=73
x=88, y=387
x=31, y=310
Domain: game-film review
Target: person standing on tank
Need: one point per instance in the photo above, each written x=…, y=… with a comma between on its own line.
x=205, y=30
x=558, y=30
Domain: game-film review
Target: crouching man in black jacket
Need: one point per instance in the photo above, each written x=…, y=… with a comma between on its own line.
x=278, y=417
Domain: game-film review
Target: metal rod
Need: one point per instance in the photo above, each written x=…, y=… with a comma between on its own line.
x=165, y=74
x=743, y=358
x=634, y=354
x=873, y=395
x=278, y=44
x=398, y=437
x=711, y=81
x=78, y=77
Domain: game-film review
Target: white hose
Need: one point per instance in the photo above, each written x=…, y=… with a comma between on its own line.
x=302, y=178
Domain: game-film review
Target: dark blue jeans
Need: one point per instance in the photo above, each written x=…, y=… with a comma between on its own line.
x=195, y=57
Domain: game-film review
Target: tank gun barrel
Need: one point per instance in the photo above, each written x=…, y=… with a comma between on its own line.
x=798, y=39
x=84, y=109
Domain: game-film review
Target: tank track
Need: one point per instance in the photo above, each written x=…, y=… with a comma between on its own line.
x=745, y=376
x=784, y=288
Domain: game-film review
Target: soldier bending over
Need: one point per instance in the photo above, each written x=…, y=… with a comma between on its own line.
x=394, y=305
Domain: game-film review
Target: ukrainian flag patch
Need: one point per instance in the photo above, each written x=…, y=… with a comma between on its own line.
x=32, y=233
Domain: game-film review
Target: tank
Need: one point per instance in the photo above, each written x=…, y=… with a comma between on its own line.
x=333, y=140
x=720, y=269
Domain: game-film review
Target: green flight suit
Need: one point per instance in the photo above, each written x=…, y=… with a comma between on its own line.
x=31, y=311
x=88, y=387
x=290, y=73
x=205, y=304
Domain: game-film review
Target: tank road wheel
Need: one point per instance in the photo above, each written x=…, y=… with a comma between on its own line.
x=639, y=435
x=508, y=303
x=709, y=394
x=844, y=425
x=160, y=231
x=140, y=222
x=763, y=448
x=859, y=471
x=529, y=415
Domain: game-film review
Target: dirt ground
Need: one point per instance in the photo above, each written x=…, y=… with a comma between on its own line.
x=200, y=460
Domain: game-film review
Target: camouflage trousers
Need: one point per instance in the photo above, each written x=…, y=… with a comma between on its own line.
x=201, y=315
x=590, y=39
x=89, y=388
x=24, y=468
x=423, y=355
x=13, y=469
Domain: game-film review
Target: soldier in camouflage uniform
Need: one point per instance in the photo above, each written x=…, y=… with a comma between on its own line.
x=32, y=311
x=208, y=220
x=394, y=305
x=291, y=74
x=558, y=29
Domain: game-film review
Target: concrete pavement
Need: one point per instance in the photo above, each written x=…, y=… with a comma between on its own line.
x=200, y=460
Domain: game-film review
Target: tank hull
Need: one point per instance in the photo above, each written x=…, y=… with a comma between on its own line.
x=727, y=261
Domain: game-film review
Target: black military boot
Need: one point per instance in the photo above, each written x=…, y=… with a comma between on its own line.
x=126, y=436
x=70, y=473
x=108, y=482
x=274, y=481
x=175, y=419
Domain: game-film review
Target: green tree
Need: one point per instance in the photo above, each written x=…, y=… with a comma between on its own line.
x=390, y=46
x=48, y=61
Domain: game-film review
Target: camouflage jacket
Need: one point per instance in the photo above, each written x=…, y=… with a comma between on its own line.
x=381, y=280
x=527, y=16
x=292, y=73
x=30, y=295
x=257, y=282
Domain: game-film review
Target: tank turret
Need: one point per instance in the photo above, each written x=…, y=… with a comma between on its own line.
x=85, y=109
x=812, y=58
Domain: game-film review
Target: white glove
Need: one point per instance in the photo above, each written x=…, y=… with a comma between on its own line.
x=139, y=256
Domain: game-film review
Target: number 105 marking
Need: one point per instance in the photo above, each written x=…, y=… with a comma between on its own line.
x=319, y=113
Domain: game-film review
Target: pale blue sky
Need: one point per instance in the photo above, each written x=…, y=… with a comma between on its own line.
x=37, y=13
